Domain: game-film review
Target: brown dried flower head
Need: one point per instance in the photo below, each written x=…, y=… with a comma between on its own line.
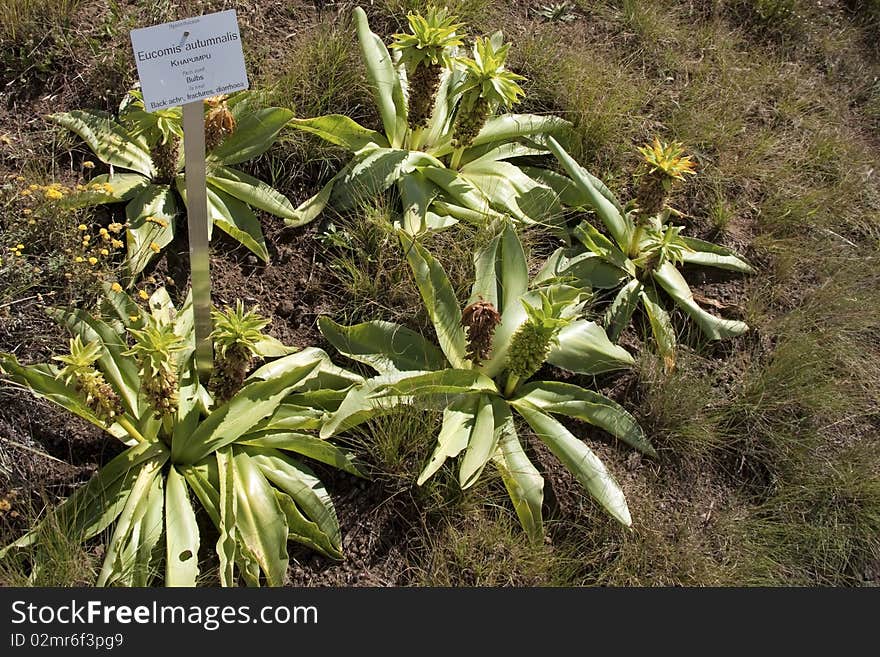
x=480, y=319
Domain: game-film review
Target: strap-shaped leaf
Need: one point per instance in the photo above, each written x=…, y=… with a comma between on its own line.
x=107, y=189
x=260, y=524
x=608, y=211
x=455, y=433
x=340, y=130
x=487, y=153
x=491, y=417
x=508, y=127
x=580, y=460
x=255, y=401
x=501, y=273
x=108, y=139
x=585, y=269
x=416, y=194
x=115, y=566
x=661, y=327
x=227, y=504
x=151, y=216
x=306, y=490
x=510, y=190
x=595, y=242
x=524, y=483
x=713, y=327
x=306, y=445
x=384, y=81
x=714, y=255
x=439, y=299
x=446, y=213
x=584, y=348
x=121, y=371
x=181, y=533
x=373, y=171
x=586, y=405
x=384, y=346
x=461, y=192
x=444, y=382
x=94, y=506
x=255, y=132
x=238, y=221
x=150, y=531
x=204, y=479
x=620, y=312
x=41, y=381
x=250, y=190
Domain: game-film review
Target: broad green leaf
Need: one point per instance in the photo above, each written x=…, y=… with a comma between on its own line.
x=492, y=414
x=597, y=243
x=121, y=371
x=269, y=347
x=416, y=194
x=302, y=530
x=585, y=269
x=455, y=433
x=383, y=79
x=508, y=127
x=41, y=381
x=584, y=348
x=443, y=382
x=713, y=327
x=713, y=255
x=451, y=213
x=439, y=299
x=150, y=531
x=384, y=346
x=580, y=461
x=290, y=417
x=305, y=357
x=182, y=533
x=340, y=130
x=586, y=405
x=608, y=212
x=661, y=327
x=113, y=567
x=204, y=479
x=621, y=310
x=305, y=444
x=107, y=189
x=566, y=191
x=524, y=483
x=112, y=143
x=237, y=220
x=373, y=171
x=151, y=217
x=250, y=190
x=501, y=273
x=260, y=524
x=510, y=190
x=460, y=192
x=94, y=506
x=306, y=490
x=227, y=543
x=255, y=401
x=487, y=153
x=255, y=132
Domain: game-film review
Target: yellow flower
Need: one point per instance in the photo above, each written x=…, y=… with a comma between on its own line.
x=103, y=231
x=93, y=260
x=116, y=287
x=53, y=194
x=107, y=187
x=105, y=252
x=133, y=318
x=143, y=295
x=26, y=192
x=115, y=227
x=155, y=247
x=116, y=244
x=20, y=178
x=32, y=222
x=33, y=188
x=88, y=164
x=26, y=211
x=19, y=247
x=37, y=270
x=82, y=227
x=79, y=259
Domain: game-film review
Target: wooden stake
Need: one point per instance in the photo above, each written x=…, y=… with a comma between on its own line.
x=197, y=221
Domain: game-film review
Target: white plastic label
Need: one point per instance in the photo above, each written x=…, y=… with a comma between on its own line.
x=189, y=60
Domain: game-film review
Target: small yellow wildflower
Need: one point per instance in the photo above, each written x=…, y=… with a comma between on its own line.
x=82, y=227
x=116, y=244
x=19, y=246
x=103, y=231
x=133, y=318
x=20, y=178
x=115, y=227
x=32, y=222
x=116, y=287
x=80, y=188
x=93, y=261
x=26, y=211
x=105, y=252
x=155, y=247
x=79, y=259
x=88, y=164
x=143, y=295
x=33, y=188
x=107, y=187
x=26, y=192
x=54, y=194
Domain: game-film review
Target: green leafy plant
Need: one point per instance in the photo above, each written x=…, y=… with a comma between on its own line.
x=562, y=12
x=149, y=146
x=643, y=252
x=455, y=161
x=241, y=458
x=480, y=375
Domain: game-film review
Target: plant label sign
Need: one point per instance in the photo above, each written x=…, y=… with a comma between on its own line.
x=189, y=60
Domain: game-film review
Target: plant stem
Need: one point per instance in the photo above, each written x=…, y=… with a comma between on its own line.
x=456, y=158
x=635, y=239
x=510, y=386
x=130, y=429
